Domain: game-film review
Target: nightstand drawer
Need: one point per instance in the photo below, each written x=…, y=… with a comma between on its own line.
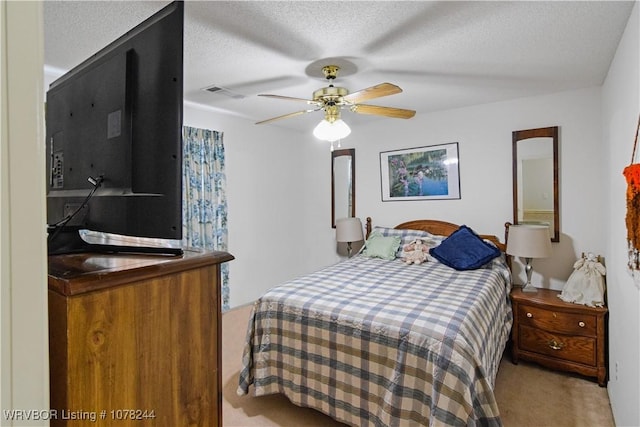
x=557, y=321
x=573, y=348
x=559, y=334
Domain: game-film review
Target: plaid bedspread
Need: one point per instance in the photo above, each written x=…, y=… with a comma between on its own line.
x=375, y=342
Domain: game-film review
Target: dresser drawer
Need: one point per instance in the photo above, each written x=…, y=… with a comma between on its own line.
x=574, y=348
x=557, y=321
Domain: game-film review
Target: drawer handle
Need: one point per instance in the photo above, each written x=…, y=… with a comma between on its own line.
x=556, y=345
x=529, y=315
x=581, y=324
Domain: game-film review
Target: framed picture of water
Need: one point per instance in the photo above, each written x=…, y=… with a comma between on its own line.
x=421, y=173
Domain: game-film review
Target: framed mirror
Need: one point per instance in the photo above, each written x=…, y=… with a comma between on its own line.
x=343, y=185
x=535, y=179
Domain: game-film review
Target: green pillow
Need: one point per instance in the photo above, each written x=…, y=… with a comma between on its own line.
x=379, y=246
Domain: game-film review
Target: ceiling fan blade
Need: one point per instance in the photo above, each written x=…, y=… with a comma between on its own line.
x=285, y=116
x=397, y=113
x=290, y=98
x=383, y=89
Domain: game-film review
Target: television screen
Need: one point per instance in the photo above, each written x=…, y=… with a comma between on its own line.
x=114, y=138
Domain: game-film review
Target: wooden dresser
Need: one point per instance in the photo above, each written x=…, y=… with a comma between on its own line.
x=134, y=340
x=558, y=334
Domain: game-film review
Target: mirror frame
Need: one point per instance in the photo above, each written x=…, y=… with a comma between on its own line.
x=351, y=152
x=549, y=132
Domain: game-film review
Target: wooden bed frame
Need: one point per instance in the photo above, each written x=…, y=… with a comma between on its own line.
x=441, y=228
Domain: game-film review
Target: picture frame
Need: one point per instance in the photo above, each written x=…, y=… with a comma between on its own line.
x=421, y=173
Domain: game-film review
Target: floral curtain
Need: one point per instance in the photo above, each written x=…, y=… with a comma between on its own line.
x=204, y=207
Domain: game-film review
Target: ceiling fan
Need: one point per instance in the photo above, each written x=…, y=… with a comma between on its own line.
x=333, y=99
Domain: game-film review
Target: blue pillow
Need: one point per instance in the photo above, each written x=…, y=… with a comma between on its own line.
x=464, y=250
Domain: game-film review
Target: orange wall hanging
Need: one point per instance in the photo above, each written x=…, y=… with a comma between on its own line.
x=632, y=175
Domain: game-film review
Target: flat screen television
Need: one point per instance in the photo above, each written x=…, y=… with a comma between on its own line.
x=114, y=140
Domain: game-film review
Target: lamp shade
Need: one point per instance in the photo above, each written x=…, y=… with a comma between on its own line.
x=349, y=230
x=529, y=241
x=331, y=131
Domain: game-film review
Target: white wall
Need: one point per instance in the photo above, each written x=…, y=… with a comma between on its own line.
x=277, y=179
x=24, y=362
x=272, y=193
x=621, y=106
x=484, y=136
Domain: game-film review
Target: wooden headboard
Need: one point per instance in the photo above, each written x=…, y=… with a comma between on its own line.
x=433, y=226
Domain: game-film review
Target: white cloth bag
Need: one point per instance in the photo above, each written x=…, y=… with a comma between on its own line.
x=586, y=284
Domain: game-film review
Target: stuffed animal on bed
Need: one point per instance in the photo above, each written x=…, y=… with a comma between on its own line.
x=415, y=252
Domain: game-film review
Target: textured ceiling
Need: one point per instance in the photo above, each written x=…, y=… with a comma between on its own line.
x=443, y=54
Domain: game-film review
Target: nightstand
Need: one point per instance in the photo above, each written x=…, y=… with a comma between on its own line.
x=558, y=334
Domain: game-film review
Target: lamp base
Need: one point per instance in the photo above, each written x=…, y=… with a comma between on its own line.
x=528, y=269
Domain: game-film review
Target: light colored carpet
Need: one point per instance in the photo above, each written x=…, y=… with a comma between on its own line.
x=527, y=395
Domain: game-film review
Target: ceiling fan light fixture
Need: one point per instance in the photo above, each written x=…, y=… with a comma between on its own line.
x=331, y=131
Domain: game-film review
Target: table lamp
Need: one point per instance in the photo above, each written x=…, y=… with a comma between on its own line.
x=528, y=242
x=349, y=230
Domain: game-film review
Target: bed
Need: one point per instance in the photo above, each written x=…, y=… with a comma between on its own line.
x=374, y=341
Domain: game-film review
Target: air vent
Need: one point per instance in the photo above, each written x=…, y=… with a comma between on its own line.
x=224, y=92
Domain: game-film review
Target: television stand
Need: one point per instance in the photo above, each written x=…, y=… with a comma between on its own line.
x=68, y=240
x=138, y=337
